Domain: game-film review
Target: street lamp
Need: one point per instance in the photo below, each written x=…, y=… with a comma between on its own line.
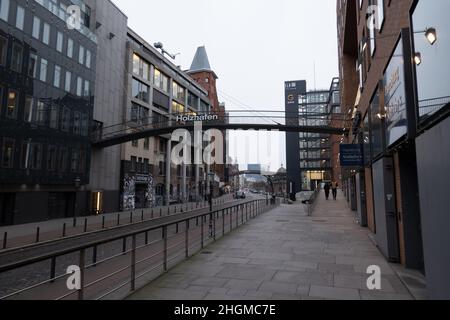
x=431, y=35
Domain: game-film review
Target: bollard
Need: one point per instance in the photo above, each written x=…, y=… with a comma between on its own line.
x=142, y=215
x=131, y=217
x=103, y=222
x=38, y=231
x=118, y=219
x=152, y=214
x=160, y=213
x=85, y=225
x=74, y=222
x=64, y=230
x=5, y=239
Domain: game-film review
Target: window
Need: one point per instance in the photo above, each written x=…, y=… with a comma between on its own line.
x=32, y=65
x=178, y=91
x=35, y=156
x=62, y=159
x=79, y=86
x=77, y=122
x=70, y=48
x=88, y=59
x=16, y=59
x=8, y=153
x=51, y=158
x=36, y=27
x=65, y=119
x=161, y=81
x=4, y=10
x=41, y=113
x=133, y=163
x=140, y=91
x=68, y=85
x=135, y=143
x=13, y=104
x=146, y=166
x=84, y=124
x=162, y=168
x=30, y=111
x=59, y=41
x=139, y=114
x=46, y=34
x=20, y=17
x=25, y=155
x=3, y=50
x=43, y=73
x=147, y=143
x=81, y=55
x=74, y=161
x=54, y=116
x=141, y=67
x=57, y=78
x=87, y=90
x=177, y=108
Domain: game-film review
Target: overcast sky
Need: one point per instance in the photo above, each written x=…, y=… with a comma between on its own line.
x=254, y=46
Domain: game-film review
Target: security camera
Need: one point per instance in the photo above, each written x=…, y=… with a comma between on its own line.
x=158, y=45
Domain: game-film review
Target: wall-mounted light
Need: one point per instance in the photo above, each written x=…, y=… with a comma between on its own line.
x=381, y=116
x=418, y=58
x=431, y=35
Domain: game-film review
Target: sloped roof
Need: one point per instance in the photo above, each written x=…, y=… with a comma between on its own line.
x=201, y=62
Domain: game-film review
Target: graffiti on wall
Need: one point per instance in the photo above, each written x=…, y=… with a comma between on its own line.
x=129, y=193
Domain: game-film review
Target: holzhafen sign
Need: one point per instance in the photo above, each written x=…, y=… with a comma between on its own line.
x=193, y=118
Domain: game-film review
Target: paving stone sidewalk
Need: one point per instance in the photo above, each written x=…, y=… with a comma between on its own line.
x=284, y=255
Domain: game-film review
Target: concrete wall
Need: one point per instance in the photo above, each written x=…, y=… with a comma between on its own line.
x=110, y=90
x=433, y=166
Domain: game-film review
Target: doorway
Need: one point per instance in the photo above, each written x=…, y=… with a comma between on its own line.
x=7, y=207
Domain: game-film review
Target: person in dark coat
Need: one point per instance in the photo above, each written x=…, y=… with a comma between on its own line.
x=327, y=189
x=334, y=187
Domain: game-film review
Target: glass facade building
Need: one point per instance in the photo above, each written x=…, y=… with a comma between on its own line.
x=46, y=96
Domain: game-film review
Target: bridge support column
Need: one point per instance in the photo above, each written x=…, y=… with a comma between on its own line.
x=168, y=170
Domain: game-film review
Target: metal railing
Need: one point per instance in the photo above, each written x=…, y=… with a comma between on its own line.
x=134, y=261
x=311, y=202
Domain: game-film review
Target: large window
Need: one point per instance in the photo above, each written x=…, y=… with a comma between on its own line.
x=7, y=153
x=161, y=81
x=65, y=119
x=68, y=85
x=70, y=48
x=36, y=27
x=141, y=67
x=17, y=56
x=433, y=78
x=57, y=77
x=3, y=50
x=20, y=17
x=12, y=105
x=32, y=65
x=81, y=55
x=35, y=156
x=46, y=34
x=178, y=91
x=59, y=41
x=139, y=114
x=43, y=70
x=140, y=91
x=63, y=154
x=177, y=108
x=51, y=158
x=30, y=110
x=4, y=9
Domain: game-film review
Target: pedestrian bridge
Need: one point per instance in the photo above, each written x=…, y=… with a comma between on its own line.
x=321, y=124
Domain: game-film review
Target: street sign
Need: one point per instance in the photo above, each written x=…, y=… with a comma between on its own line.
x=352, y=155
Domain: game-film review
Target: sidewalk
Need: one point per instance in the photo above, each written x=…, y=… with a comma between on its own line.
x=284, y=255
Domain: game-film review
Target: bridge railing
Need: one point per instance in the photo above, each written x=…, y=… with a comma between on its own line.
x=233, y=117
x=140, y=260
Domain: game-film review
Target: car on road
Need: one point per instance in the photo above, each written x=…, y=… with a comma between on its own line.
x=240, y=195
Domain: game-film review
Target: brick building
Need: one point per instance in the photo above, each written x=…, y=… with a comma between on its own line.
x=395, y=85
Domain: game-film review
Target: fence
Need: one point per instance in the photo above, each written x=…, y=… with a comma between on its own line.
x=135, y=265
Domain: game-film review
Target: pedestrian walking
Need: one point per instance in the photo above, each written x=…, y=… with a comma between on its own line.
x=327, y=189
x=334, y=187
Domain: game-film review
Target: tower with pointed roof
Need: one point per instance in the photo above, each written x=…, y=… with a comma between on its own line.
x=203, y=74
